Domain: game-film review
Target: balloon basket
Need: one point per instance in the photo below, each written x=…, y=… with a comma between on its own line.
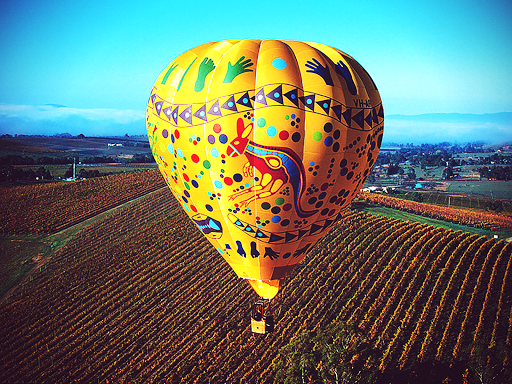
x=262, y=319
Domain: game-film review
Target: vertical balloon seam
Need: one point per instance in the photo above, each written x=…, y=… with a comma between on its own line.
x=244, y=261
x=262, y=251
x=302, y=241
x=205, y=125
x=330, y=64
x=301, y=85
x=290, y=259
x=253, y=133
x=228, y=228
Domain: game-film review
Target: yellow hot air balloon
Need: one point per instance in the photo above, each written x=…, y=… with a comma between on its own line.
x=264, y=143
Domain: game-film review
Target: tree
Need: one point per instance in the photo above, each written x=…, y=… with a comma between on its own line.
x=337, y=354
x=395, y=169
x=448, y=173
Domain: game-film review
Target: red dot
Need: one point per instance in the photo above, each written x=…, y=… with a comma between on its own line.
x=193, y=207
x=216, y=128
x=194, y=158
x=283, y=135
x=228, y=181
x=324, y=186
x=287, y=207
x=194, y=142
x=185, y=177
x=176, y=134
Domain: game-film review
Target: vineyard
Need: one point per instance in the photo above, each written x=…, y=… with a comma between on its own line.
x=46, y=208
x=458, y=216
x=140, y=296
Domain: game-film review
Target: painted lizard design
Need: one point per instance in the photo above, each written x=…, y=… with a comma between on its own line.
x=277, y=165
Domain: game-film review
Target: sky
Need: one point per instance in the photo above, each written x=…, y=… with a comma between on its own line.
x=102, y=57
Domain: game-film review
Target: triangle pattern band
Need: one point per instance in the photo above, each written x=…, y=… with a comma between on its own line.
x=229, y=104
x=276, y=94
x=215, y=109
x=245, y=100
x=186, y=114
x=260, y=97
x=201, y=113
x=266, y=96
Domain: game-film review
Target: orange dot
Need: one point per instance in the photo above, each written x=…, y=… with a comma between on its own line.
x=216, y=128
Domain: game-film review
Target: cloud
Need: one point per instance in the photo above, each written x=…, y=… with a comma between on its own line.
x=459, y=128
x=51, y=119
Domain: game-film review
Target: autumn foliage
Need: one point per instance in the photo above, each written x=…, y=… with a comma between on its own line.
x=458, y=216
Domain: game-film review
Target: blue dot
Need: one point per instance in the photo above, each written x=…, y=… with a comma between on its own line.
x=218, y=184
x=276, y=219
x=312, y=163
x=209, y=207
x=293, y=116
x=172, y=138
x=186, y=193
x=325, y=105
x=293, y=96
x=271, y=131
x=237, y=177
x=195, y=184
x=328, y=141
x=184, y=199
x=279, y=63
x=223, y=139
x=214, y=152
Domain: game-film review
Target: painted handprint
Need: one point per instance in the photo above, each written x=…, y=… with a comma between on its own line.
x=205, y=68
x=320, y=70
x=344, y=72
x=238, y=68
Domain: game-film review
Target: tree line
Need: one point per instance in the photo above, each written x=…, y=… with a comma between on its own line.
x=46, y=160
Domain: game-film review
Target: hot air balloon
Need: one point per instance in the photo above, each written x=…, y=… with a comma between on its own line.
x=264, y=143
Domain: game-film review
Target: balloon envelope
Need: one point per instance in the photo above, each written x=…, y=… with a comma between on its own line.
x=264, y=143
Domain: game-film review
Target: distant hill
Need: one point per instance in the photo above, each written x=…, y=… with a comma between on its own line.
x=53, y=119
x=490, y=128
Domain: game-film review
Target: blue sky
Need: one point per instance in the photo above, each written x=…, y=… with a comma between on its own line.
x=425, y=57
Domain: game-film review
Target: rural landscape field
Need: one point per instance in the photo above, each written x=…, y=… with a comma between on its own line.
x=106, y=280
